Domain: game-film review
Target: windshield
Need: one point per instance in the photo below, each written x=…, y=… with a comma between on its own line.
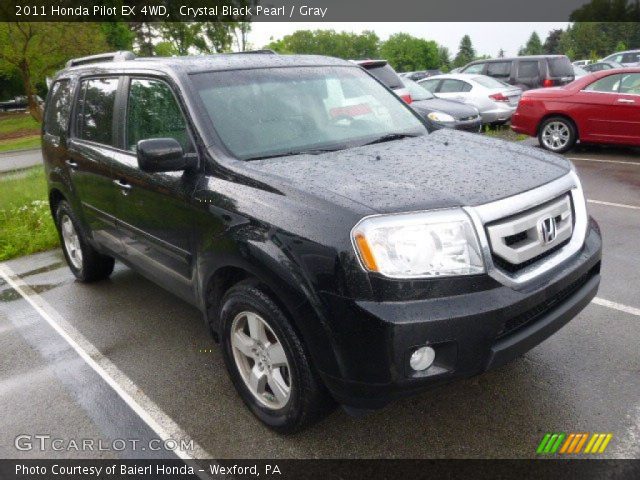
x=285, y=111
x=417, y=91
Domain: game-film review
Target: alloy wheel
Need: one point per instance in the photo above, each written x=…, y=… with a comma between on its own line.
x=261, y=360
x=556, y=135
x=71, y=241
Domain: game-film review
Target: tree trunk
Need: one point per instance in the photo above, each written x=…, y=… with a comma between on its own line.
x=34, y=107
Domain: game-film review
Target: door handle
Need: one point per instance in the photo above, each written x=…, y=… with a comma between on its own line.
x=626, y=100
x=123, y=185
x=73, y=165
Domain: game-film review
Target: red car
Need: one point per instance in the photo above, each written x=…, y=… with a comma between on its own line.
x=603, y=107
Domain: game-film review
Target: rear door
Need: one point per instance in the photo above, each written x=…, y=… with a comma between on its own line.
x=454, y=89
x=625, y=110
x=500, y=70
x=91, y=151
x=155, y=210
x=528, y=74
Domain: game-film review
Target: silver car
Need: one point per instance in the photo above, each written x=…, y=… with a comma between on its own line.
x=495, y=100
x=629, y=58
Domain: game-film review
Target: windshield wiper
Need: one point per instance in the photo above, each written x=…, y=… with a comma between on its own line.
x=390, y=137
x=315, y=151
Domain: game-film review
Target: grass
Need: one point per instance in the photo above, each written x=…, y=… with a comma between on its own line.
x=26, y=225
x=22, y=143
x=503, y=132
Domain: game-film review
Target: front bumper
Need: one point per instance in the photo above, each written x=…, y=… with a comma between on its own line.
x=470, y=333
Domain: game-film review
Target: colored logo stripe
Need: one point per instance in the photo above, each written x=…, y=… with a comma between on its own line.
x=573, y=443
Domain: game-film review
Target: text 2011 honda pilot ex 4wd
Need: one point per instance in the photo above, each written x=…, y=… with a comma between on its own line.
x=337, y=250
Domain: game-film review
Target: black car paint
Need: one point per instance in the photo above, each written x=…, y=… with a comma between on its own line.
x=466, y=117
x=287, y=222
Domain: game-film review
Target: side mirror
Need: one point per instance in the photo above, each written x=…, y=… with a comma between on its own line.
x=163, y=155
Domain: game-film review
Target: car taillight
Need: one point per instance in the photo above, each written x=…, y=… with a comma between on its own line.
x=547, y=82
x=499, y=97
x=407, y=98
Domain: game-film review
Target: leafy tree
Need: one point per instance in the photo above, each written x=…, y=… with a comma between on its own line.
x=552, y=43
x=501, y=53
x=620, y=47
x=118, y=35
x=466, y=52
x=444, y=58
x=405, y=52
x=533, y=46
x=329, y=42
x=144, y=36
x=37, y=49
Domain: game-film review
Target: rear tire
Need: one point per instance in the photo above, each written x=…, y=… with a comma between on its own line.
x=85, y=262
x=557, y=134
x=253, y=323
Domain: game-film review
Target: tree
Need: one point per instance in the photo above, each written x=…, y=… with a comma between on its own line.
x=144, y=36
x=37, y=49
x=406, y=53
x=552, y=43
x=501, y=53
x=118, y=35
x=329, y=42
x=445, y=58
x=533, y=46
x=466, y=52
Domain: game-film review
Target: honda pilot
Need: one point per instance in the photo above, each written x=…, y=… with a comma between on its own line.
x=338, y=251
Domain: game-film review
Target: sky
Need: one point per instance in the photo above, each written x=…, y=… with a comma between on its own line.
x=487, y=37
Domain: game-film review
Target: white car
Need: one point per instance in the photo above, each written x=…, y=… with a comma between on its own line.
x=495, y=100
x=628, y=58
x=581, y=63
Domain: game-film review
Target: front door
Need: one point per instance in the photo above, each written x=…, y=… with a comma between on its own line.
x=155, y=210
x=625, y=110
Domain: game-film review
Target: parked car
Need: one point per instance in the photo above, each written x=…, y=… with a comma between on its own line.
x=495, y=100
x=579, y=72
x=628, y=58
x=441, y=113
x=526, y=72
x=603, y=107
x=387, y=75
x=17, y=103
x=604, y=65
x=338, y=252
x=415, y=76
x=581, y=63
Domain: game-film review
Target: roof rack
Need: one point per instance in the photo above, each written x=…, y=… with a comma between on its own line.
x=102, y=57
x=264, y=50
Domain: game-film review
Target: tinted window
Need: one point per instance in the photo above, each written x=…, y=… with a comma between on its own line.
x=606, y=84
x=630, y=84
x=528, y=69
x=499, y=69
x=451, y=86
x=477, y=68
x=95, y=122
x=560, y=67
x=57, y=115
x=153, y=112
x=386, y=75
x=632, y=57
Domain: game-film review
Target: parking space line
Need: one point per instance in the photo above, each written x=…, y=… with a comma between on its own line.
x=604, y=161
x=612, y=204
x=616, y=306
x=131, y=394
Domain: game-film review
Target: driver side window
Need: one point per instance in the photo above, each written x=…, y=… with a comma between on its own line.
x=153, y=112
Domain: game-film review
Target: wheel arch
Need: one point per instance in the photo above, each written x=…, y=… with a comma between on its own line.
x=549, y=115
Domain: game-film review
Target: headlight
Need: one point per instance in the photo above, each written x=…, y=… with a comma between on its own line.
x=421, y=244
x=440, y=117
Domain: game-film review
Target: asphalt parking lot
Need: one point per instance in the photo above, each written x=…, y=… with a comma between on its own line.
x=159, y=374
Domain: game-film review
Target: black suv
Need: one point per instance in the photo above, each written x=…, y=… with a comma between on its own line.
x=526, y=72
x=336, y=249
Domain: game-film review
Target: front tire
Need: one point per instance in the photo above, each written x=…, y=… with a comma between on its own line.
x=85, y=262
x=557, y=134
x=267, y=362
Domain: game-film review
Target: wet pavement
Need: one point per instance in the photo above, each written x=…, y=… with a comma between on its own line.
x=585, y=378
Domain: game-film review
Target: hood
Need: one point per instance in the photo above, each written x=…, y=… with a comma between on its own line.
x=447, y=168
x=456, y=109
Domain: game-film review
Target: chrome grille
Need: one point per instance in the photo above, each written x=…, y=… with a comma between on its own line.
x=529, y=235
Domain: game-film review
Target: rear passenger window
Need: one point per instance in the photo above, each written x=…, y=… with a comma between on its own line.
x=153, y=112
x=528, y=69
x=430, y=85
x=499, y=69
x=605, y=84
x=56, y=118
x=95, y=121
x=451, y=86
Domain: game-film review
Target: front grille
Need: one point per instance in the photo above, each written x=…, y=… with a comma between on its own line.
x=519, y=240
x=527, y=318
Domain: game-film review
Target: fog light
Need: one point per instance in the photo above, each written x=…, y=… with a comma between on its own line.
x=422, y=358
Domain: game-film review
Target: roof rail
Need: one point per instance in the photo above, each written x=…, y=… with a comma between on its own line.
x=264, y=50
x=102, y=57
